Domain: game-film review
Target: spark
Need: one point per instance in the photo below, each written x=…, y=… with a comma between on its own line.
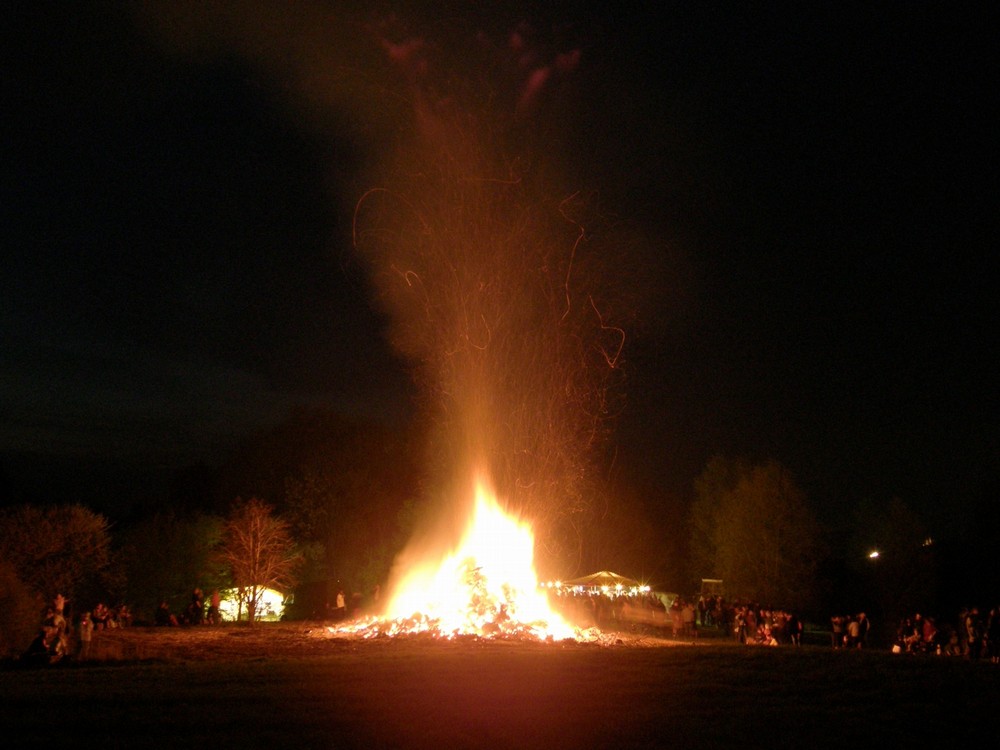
x=612, y=361
x=572, y=256
x=482, y=275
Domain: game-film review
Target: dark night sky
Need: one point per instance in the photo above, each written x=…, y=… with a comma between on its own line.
x=822, y=186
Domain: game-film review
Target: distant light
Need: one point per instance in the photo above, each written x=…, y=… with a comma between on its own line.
x=928, y=542
x=270, y=605
x=873, y=554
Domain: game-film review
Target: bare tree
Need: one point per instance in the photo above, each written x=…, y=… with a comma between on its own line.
x=259, y=551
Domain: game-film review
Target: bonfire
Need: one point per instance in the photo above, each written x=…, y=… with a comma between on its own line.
x=485, y=587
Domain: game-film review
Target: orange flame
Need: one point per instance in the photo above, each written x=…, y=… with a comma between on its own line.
x=486, y=587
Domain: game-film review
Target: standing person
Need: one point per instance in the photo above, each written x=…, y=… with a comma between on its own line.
x=928, y=635
x=688, y=620
x=341, y=611
x=993, y=635
x=837, y=631
x=974, y=633
x=86, y=634
x=865, y=625
x=752, y=621
x=676, y=618
x=195, y=614
x=853, y=632
x=793, y=629
x=740, y=627
x=55, y=619
x=213, y=609
x=101, y=616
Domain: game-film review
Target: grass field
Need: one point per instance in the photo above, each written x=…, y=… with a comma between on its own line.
x=293, y=685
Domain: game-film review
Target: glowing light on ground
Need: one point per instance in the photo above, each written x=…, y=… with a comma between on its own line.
x=270, y=608
x=486, y=586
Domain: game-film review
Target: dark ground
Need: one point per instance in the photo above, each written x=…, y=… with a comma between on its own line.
x=296, y=686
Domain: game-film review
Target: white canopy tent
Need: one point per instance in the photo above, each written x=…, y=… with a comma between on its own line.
x=607, y=582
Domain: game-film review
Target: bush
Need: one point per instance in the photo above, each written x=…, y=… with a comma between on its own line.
x=20, y=610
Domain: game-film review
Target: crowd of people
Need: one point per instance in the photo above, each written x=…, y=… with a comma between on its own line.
x=766, y=627
x=58, y=640
x=971, y=635
x=596, y=608
x=749, y=623
x=106, y=618
x=682, y=618
x=746, y=622
x=850, y=631
x=51, y=644
x=195, y=613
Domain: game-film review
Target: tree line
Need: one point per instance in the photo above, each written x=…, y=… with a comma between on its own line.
x=321, y=503
x=752, y=526
x=313, y=504
x=68, y=551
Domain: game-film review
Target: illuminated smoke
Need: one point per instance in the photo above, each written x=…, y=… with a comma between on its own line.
x=497, y=276
x=494, y=287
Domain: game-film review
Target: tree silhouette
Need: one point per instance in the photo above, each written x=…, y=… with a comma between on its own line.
x=163, y=557
x=62, y=549
x=752, y=523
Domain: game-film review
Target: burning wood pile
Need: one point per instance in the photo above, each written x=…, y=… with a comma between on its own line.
x=486, y=587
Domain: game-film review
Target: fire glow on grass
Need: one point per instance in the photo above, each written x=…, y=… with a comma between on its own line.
x=486, y=587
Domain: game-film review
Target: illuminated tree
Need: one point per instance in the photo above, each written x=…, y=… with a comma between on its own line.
x=754, y=526
x=259, y=552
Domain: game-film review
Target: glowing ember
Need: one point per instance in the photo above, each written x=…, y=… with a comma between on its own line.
x=486, y=587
